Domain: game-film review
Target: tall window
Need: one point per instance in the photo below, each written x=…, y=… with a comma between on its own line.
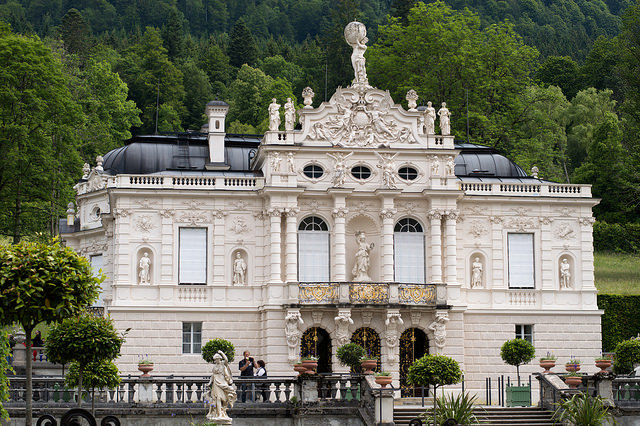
x=193, y=256
x=313, y=250
x=97, y=263
x=191, y=337
x=524, y=331
x=408, y=249
x=521, y=264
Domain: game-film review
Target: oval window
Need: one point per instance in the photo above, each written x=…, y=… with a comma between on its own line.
x=313, y=171
x=408, y=173
x=361, y=172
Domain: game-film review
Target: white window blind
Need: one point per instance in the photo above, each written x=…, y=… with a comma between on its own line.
x=193, y=256
x=97, y=263
x=313, y=256
x=409, y=257
x=521, y=265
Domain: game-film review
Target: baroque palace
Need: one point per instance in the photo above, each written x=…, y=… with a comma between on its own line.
x=359, y=222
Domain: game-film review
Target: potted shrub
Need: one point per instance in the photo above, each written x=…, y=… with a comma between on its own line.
x=299, y=368
x=368, y=364
x=583, y=409
x=547, y=362
x=383, y=379
x=627, y=354
x=350, y=355
x=214, y=345
x=603, y=362
x=573, y=379
x=310, y=363
x=517, y=352
x=572, y=365
x=145, y=365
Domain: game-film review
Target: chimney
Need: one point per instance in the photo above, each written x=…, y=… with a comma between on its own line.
x=216, y=111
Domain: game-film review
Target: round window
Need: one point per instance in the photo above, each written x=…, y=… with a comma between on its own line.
x=361, y=172
x=313, y=171
x=408, y=173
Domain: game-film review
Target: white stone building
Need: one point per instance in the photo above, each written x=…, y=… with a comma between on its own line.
x=362, y=224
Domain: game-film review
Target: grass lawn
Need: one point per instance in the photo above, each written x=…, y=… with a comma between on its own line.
x=617, y=273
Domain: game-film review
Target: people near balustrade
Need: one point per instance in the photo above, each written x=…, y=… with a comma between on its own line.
x=246, y=366
x=37, y=341
x=262, y=373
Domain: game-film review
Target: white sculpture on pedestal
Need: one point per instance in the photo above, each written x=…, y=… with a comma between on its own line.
x=339, y=168
x=292, y=331
x=274, y=115
x=275, y=162
x=289, y=115
x=343, y=320
x=393, y=320
x=445, y=123
x=145, y=265
x=388, y=170
x=439, y=329
x=307, y=94
x=239, y=269
x=476, y=273
x=222, y=392
x=430, y=119
x=291, y=163
x=360, y=269
x=355, y=33
x=565, y=274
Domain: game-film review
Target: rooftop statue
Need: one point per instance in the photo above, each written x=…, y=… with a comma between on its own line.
x=355, y=33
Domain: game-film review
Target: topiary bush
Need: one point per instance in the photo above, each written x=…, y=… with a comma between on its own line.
x=213, y=346
x=620, y=320
x=350, y=354
x=627, y=354
x=616, y=237
x=517, y=352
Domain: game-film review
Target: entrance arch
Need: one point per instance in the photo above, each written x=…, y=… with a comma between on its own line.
x=370, y=341
x=413, y=345
x=316, y=342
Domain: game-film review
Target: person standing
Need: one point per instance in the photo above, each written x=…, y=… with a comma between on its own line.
x=262, y=373
x=246, y=366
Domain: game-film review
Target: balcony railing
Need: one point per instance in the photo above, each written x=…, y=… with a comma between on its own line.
x=373, y=293
x=520, y=189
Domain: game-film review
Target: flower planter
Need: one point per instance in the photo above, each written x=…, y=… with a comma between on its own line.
x=547, y=365
x=299, y=368
x=145, y=369
x=603, y=364
x=572, y=367
x=310, y=366
x=573, y=381
x=518, y=396
x=368, y=365
x=383, y=381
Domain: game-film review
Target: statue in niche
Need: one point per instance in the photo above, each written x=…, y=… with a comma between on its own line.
x=393, y=320
x=289, y=115
x=339, y=169
x=239, y=269
x=445, y=120
x=292, y=331
x=274, y=115
x=435, y=166
x=439, y=329
x=222, y=392
x=144, y=266
x=388, y=170
x=451, y=166
x=360, y=270
x=343, y=320
x=430, y=119
x=565, y=274
x=476, y=273
x=355, y=33
x=291, y=163
x=275, y=162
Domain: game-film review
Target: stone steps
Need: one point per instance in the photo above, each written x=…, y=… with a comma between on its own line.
x=498, y=416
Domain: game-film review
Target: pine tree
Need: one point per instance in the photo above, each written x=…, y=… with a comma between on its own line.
x=173, y=34
x=242, y=47
x=75, y=33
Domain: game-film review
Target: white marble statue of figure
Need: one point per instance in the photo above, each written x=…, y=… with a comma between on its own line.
x=435, y=166
x=239, y=269
x=144, y=265
x=430, y=119
x=339, y=168
x=565, y=274
x=274, y=115
x=343, y=321
x=289, y=115
x=393, y=320
x=360, y=269
x=222, y=392
x=439, y=329
x=388, y=169
x=86, y=169
x=445, y=120
x=355, y=33
x=291, y=163
x=451, y=166
x=275, y=162
x=292, y=331
x=476, y=273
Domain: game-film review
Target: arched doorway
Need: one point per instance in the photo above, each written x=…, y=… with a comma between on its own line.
x=413, y=345
x=316, y=342
x=370, y=341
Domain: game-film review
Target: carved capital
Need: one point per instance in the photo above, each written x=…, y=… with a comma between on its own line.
x=451, y=214
x=586, y=221
x=291, y=211
x=274, y=212
x=388, y=213
x=340, y=212
x=218, y=214
x=434, y=214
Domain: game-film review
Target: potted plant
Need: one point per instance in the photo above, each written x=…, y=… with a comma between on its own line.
x=573, y=379
x=583, y=409
x=350, y=355
x=299, y=368
x=603, y=362
x=383, y=378
x=547, y=362
x=368, y=364
x=310, y=363
x=145, y=365
x=214, y=345
x=517, y=352
x=572, y=365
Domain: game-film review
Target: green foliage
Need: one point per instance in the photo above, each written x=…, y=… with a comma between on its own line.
x=560, y=71
x=459, y=407
x=616, y=237
x=96, y=375
x=213, y=346
x=75, y=33
x=583, y=410
x=5, y=368
x=620, y=320
x=517, y=352
x=434, y=370
x=242, y=46
x=627, y=354
x=350, y=355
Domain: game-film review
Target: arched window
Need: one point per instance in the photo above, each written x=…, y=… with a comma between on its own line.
x=313, y=250
x=408, y=249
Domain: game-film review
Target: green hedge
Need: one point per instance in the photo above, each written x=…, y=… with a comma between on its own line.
x=616, y=237
x=621, y=319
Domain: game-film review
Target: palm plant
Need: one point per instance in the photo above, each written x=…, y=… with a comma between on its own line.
x=459, y=408
x=584, y=410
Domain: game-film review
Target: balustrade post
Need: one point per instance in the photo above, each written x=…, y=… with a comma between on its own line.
x=308, y=389
x=383, y=406
x=145, y=390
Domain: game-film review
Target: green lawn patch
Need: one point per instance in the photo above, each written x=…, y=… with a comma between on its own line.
x=617, y=273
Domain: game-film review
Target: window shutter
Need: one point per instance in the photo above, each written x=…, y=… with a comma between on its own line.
x=409, y=257
x=313, y=256
x=193, y=255
x=521, y=265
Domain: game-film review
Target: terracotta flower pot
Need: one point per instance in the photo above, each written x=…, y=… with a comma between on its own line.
x=603, y=364
x=310, y=365
x=146, y=369
x=573, y=381
x=383, y=381
x=299, y=368
x=368, y=365
x=572, y=367
x=547, y=364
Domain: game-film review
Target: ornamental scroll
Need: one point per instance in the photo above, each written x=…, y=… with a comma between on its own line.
x=410, y=294
x=369, y=293
x=318, y=293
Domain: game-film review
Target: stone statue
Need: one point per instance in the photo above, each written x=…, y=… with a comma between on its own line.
x=388, y=170
x=292, y=331
x=534, y=172
x=86, y=169
x=222, y=392
x=289, y=115
x=355, y=33
x=274, y=115
x=339, y=169
x=476, y=273
x=343, y=320
x=393, y=320
x=430, y=119
x=565, y=274
x=145, y=265
x=445, y=123
x=435, y=166
x=439, y=329
x=451, y=166
x=307, y=95
x=412, y=97
x=275, y=162
x=99, y=161
x=291, y=163
x=239, y=269
x=360, y=270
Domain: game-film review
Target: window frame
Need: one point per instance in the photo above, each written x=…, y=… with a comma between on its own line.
x=515, y=268
x=310, y=174
x=313, y=225
x=361, y=167
x=205, y=259
x=408, y=227
x=408, y=178
x=525, y=332
x=193, y=348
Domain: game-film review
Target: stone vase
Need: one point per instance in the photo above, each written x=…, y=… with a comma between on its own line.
x=573, y=381
x=146, y=369
x=572, y=367
x=603, y=364
x=368, y=365
x=547, y=365
x=310, y=366
x=383, y=381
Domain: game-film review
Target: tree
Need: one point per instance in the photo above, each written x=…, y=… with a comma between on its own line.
x=337, y=51
x=627, y=354
x=214, y=345
x=96, y=375
x=5, y=367
x=197, y=94
x=85, y=339
x=42, y=282
x=242, y=46
x=350, y=355
x=436, y=371
x=173, y=34
x=75, y=33
x=517, y=352
x=561, y=71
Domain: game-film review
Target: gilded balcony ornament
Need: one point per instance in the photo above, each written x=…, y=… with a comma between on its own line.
x=317, y=293
x=369, y=293
x=415, y=294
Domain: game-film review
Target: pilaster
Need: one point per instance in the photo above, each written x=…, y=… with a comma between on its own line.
x=435, y=217
x=275, y=219
x=450, y=245
x=291, y=241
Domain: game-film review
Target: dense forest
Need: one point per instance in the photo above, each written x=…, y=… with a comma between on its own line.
x=551, y=84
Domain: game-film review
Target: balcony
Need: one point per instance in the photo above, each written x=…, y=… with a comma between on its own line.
x=519, y=189
x=370, y=293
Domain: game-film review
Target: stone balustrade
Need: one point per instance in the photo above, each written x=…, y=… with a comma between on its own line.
x=236, y=183
x=521, y=189
x=360, y=293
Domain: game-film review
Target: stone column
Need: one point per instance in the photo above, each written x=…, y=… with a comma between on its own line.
x=387, y=238
x=340, y=258
x=291, y=240
x=275, y=240
x=435, y=217
x=450, y=245
x=218, y=249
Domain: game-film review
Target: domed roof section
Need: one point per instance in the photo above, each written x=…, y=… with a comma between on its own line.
x=217, y=103
x=483, y=161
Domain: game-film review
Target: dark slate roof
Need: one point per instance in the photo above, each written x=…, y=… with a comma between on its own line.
x=483, y=161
